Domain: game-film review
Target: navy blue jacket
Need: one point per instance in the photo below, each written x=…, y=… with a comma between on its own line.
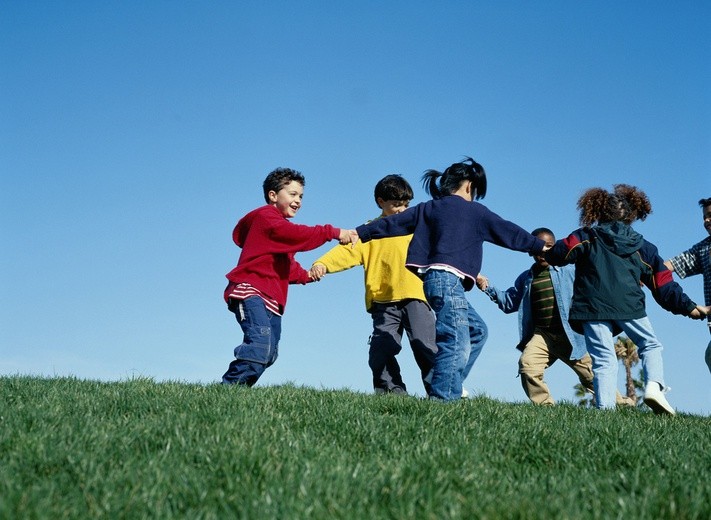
x=451, y=232
x=610, y=262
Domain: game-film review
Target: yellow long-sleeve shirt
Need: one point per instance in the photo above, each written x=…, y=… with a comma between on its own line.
x=386, y=278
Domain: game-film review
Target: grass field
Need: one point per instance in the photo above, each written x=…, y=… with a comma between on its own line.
x=140, y=449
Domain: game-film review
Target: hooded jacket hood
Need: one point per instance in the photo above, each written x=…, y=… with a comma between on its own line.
x=619, y=238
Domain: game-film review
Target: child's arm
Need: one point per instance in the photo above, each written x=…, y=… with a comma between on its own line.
x=287, y=237
x=667, y=293
x=685, y=264
x=395, y=225
x=509, y=300
x=339, y=258
x=700, y=312
x=297, y=274
x=568, y=250
x=505, y=233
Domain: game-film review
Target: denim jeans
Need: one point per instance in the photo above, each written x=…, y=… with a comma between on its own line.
x=460, y=333
x=708, y=356
x=260, y=347
x=601, y=346
x=478, y=334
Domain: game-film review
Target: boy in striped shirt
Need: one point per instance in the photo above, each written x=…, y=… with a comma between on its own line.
x=542, y=295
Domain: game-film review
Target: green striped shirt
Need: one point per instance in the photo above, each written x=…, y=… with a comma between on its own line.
x=543, y=305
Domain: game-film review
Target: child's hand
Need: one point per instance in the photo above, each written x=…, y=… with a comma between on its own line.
x=348, y=236
x=317, y=272
x=700, y=312
x=482, y=282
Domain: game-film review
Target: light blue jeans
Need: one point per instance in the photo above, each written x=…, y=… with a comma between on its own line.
x=601, y=347
x=460, y=333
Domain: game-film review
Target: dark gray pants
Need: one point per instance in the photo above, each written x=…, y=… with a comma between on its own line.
x=390, y=320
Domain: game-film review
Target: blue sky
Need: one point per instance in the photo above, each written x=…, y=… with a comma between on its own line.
x=133, y=135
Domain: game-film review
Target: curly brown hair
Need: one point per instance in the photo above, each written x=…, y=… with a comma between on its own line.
x=627, y=204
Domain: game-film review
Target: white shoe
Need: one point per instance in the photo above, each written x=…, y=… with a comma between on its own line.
x=465, y=393
x=654, y=398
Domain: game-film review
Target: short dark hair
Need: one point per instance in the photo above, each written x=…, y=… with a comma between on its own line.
x=541, y=231
x=705, y=202
x=279, y=178
x=393, y=187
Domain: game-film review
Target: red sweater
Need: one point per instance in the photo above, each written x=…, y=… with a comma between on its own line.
x=269, y=242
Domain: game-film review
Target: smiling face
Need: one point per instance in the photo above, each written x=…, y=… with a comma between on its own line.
x=707, y=217
x=288, y=199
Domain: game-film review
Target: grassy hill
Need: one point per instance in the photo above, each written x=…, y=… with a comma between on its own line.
x=140, y=449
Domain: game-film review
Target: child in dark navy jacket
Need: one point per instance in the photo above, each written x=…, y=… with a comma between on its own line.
x=611, y=259
x=446, y=252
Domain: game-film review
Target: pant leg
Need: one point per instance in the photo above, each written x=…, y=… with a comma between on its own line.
x=478, y=334
x=534, y=360
x=385, y=343
x=649, y=348
x=601, y=347
x=445, y=294
x=419, y=322
x=561, y=348
x=708, y=356
x=260, y=345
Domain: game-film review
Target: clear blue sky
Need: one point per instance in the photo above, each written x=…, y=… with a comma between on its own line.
x=133, y=135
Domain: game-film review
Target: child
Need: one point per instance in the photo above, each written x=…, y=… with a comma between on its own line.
x=611, y=259
x=257, y=287
x=542, y=295
x=393, y=295
x=446, y=252
x=697, y=260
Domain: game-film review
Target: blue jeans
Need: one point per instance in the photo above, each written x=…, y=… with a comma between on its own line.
x=708, y=356
x=460, y=333
x=260, y=347
x=601, y=347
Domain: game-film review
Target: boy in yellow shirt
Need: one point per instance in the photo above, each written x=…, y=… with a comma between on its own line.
x=393, y=295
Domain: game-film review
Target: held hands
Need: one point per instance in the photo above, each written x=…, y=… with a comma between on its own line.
x=482, y=282
x=348, y=236
x=700, y=312
x=317, y=272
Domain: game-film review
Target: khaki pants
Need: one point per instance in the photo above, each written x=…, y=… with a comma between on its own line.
x=541, y=351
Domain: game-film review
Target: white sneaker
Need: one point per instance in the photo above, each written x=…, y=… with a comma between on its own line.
x=465, y=393
x=654, y=398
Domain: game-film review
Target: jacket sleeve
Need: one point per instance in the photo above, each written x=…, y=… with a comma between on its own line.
x=342, y=258
x=666, y=292
x=509, y=300
x=505, y=233
x=393, y=226
x=297, y=274
x=568, y=250
x=287, y=237
x=687, y=263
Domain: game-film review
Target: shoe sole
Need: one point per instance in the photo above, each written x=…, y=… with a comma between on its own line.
x=657, y=407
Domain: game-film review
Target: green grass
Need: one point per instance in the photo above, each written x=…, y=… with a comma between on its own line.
x=139, y=449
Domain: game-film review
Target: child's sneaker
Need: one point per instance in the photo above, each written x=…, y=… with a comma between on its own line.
x=654, y=398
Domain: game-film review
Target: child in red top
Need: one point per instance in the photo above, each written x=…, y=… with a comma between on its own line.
x=258, y=286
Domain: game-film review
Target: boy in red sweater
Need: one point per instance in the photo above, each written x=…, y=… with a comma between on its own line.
x=258, y=286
